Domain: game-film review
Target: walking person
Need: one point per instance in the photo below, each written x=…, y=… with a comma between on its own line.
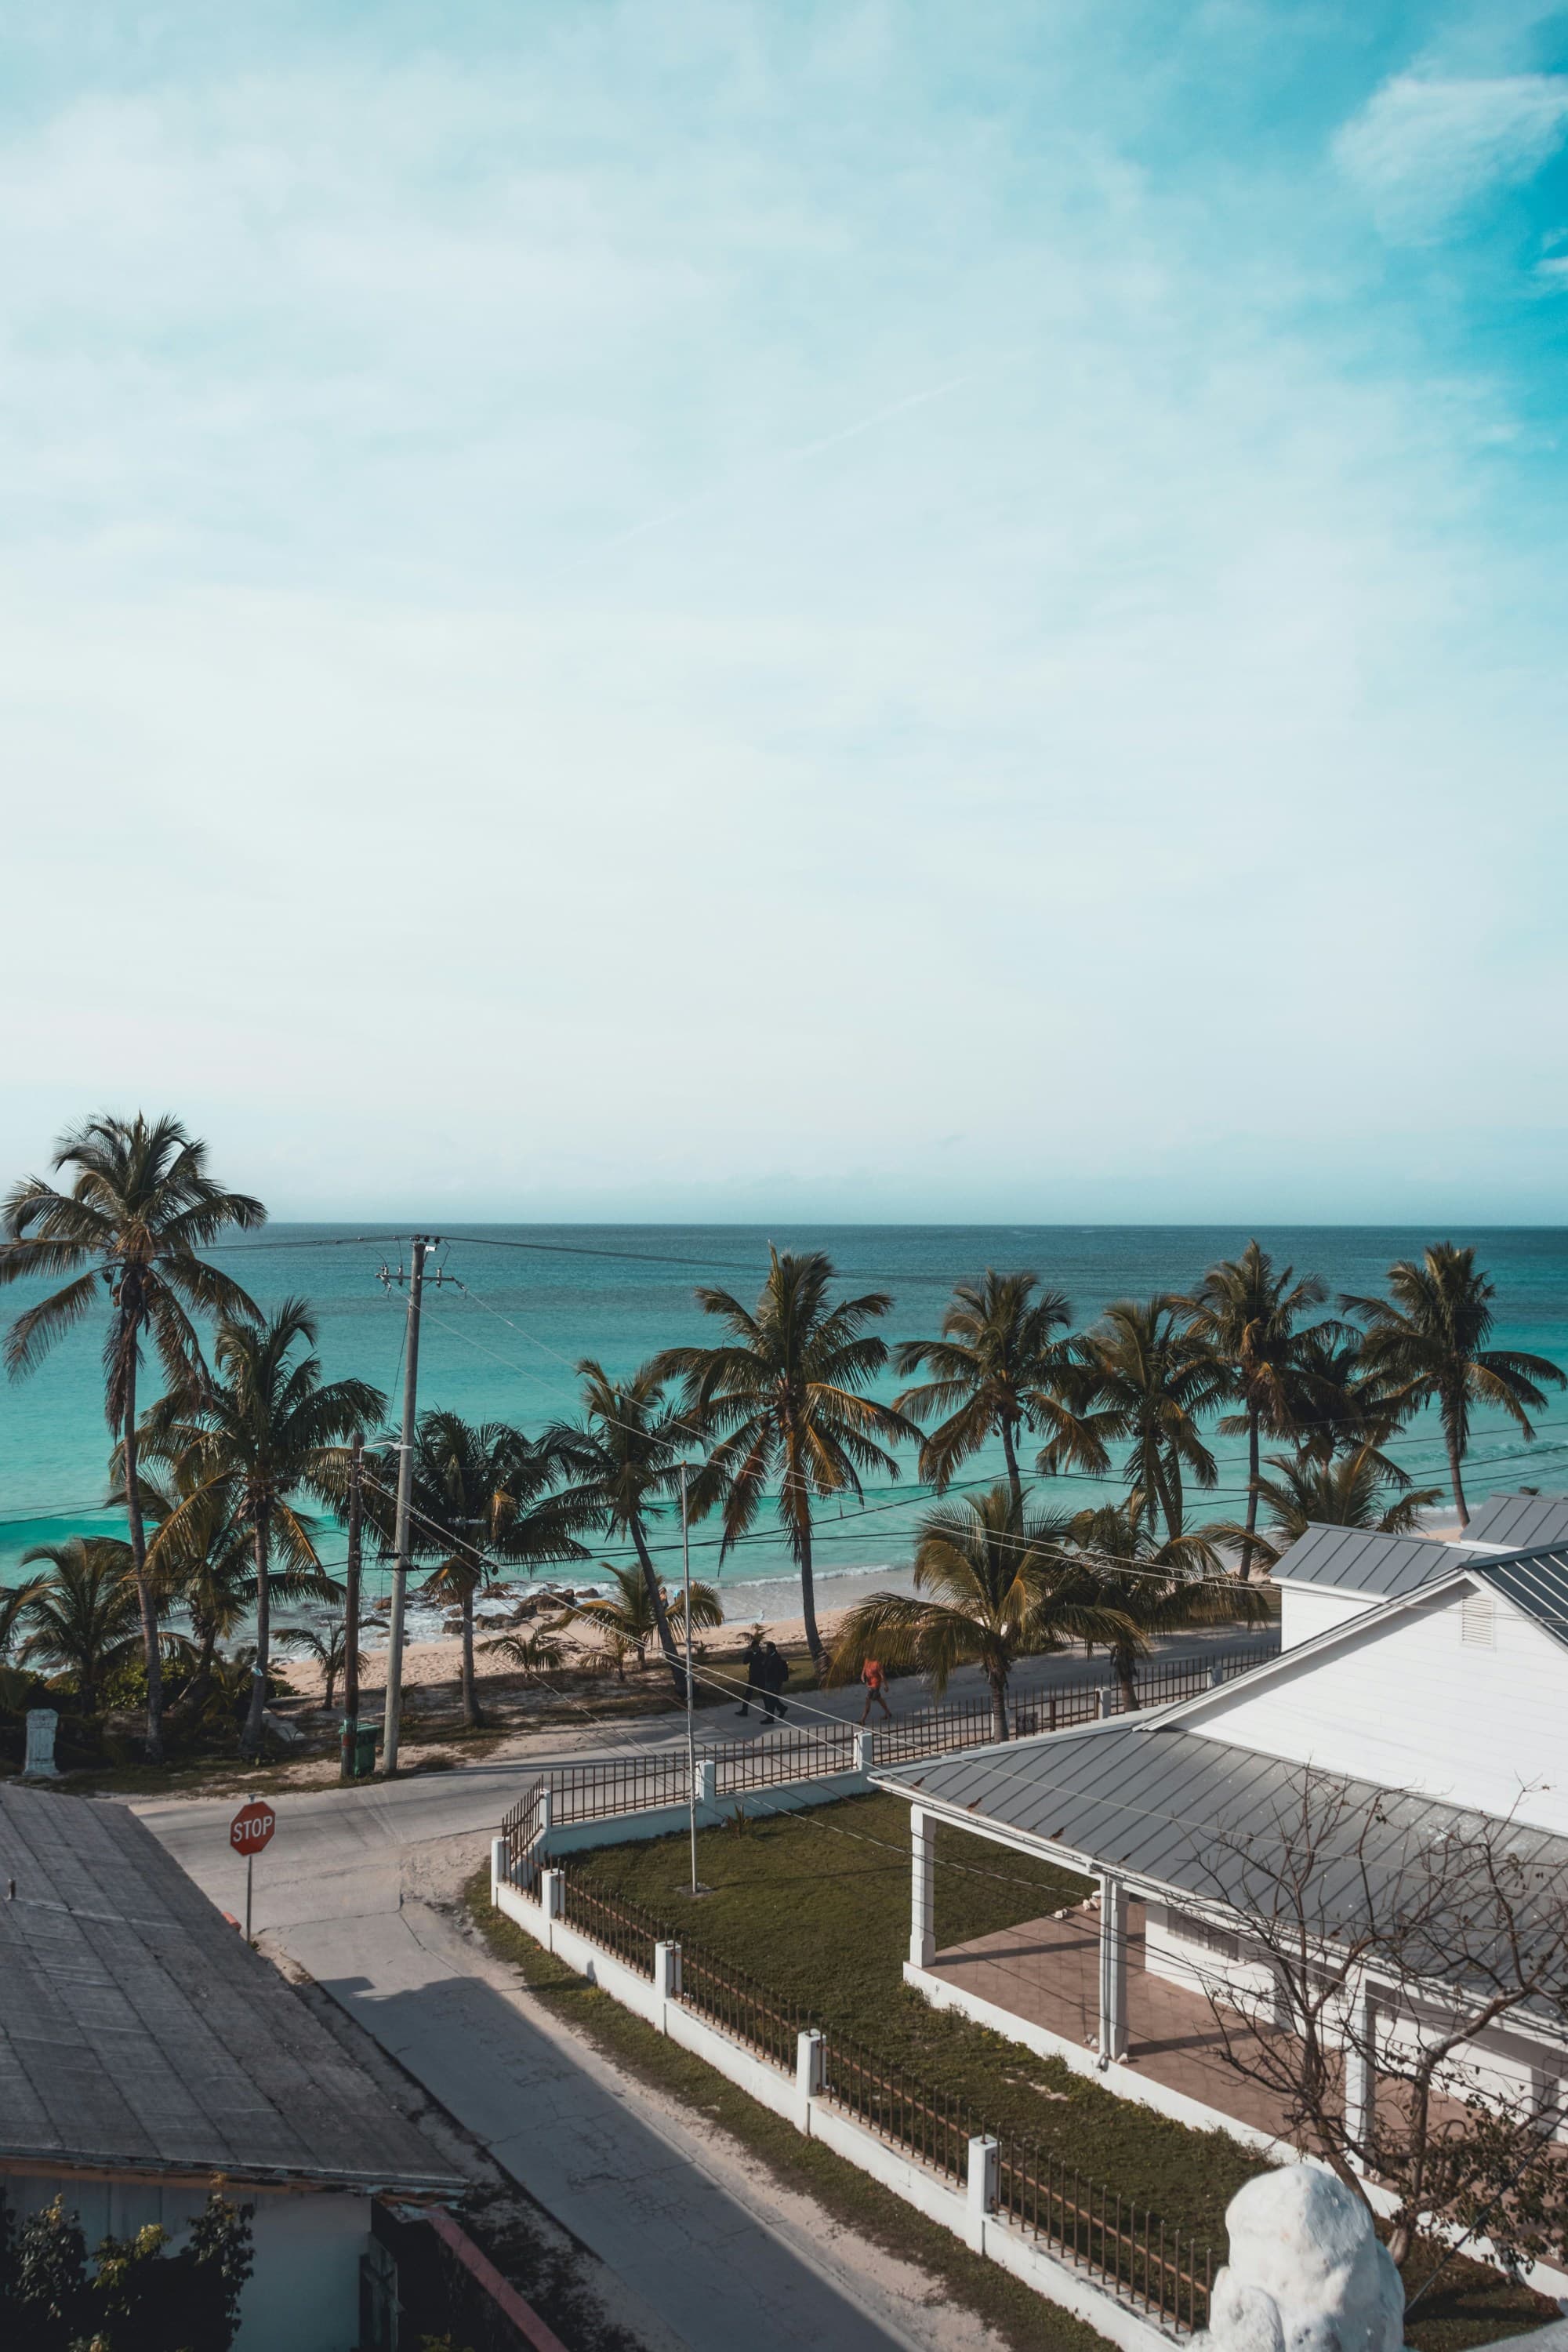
x=755, y=1682
x=773, y=1676
x=876, y=1683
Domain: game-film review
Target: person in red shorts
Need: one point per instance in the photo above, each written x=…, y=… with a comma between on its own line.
x=876, y=1683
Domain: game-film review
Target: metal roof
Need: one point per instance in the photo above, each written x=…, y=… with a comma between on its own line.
x=1537, y=1582
x=1521, y=1522
x=1359, y=1561
x=1203, y=1817
x=139, y=2031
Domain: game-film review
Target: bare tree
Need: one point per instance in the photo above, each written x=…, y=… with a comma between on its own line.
x=1390, y=1935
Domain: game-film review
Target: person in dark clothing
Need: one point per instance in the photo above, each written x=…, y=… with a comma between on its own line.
x=773, y=1676
x=755, y=1679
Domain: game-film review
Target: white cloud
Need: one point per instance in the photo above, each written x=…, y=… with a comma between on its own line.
x=1425, y=147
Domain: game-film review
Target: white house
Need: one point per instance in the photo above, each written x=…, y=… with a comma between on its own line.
x=147, y=2052
x=1425, y=1684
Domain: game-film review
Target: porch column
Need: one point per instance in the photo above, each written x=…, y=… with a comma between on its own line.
x=922, y=1888
x=1112, y=1969
x=1361, y=2068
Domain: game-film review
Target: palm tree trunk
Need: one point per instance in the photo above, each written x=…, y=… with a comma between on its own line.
x=1252, y=1473
x=1127, y=1676
x=187, y=1708
x=1463, y=1508
x=998, y=1681
x=655, y=1602
x=152, y=1649
x=813, y=1641
x=251, y=1742
x=472, y=1715
x=1010, y=1452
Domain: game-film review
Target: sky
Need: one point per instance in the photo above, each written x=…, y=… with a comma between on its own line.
x=880, y=611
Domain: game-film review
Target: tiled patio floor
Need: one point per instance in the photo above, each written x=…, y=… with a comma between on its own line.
x=1048, y=1971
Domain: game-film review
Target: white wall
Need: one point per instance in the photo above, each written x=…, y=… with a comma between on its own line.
x=1306, y=1609
x=1409, y=1702
x=303, y=2292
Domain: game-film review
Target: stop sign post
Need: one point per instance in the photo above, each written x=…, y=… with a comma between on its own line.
x=251, y=1830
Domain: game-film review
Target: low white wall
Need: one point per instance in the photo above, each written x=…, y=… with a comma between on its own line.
x=667, y=1820
x=991, y=2234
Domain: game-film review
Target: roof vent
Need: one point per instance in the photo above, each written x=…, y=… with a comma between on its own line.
x=1477, y=1619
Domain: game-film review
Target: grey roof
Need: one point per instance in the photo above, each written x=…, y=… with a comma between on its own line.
x=1537, y=1582
x=1202, y=1816
x=1521, y=1522
x=1357, y=1561
x=139, y=2031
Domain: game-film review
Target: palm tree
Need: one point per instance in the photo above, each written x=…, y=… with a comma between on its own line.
x=538, y=1655
x=1346, y=1411
x=267, y=1426
x=13, y=1599
x=1427, y=1344
x=475, y=1499
x=623, y=1460
x=1157, y=1586
x=140, y=1206
x=1139, y=1378
x=328, y=1646
x=991, y=1584
x=626, y=1619
x=80, y=1618
x=994, y=1373
x=1245, y=1313
x=783, y=1391
x=1354, y=1490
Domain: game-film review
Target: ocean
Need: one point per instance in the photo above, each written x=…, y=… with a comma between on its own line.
x=517, y=1306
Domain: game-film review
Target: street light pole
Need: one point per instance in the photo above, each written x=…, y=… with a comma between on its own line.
x=690, y=1726
x=421, y=1246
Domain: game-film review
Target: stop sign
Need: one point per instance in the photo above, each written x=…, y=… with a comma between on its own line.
x=252, y=1827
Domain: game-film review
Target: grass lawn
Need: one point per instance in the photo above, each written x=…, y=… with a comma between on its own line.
x=815, y=1905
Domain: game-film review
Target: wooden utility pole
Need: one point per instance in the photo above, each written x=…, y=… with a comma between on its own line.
x=352, y=1608
x=421, y=1246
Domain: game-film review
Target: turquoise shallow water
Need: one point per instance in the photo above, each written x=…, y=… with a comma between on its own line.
x=500, y=1338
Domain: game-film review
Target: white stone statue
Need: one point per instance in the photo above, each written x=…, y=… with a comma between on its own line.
x=42, y=1724
x=1306, y=2273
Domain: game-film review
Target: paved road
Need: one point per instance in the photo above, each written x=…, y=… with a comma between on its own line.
x=351, y=1888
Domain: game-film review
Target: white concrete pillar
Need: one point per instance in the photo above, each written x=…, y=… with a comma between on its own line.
x=1112, y=1969
x=552, y=1893
x=808, y=2063
x=984, y=2183
x=865, y=1753
x=708, y=1782
x=667, y=1971
x=1361, y=2068
x=39, y=1762
x=922, y=1888
x=500, y=1866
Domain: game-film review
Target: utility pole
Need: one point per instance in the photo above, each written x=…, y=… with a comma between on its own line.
x=423, y=1244
x=346, y=1761
x=691, y=1726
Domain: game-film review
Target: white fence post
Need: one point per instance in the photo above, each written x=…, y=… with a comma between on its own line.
x=865, y=1753
x=667, y=1971
x=546, y=1812
x=808, y=2075
x=985, y=2184
x=708, y=1782
x=552, y=1893
x=500, y=1866
x=1217, y=1676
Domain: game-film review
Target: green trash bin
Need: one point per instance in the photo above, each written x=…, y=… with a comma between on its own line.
x=359, y=1750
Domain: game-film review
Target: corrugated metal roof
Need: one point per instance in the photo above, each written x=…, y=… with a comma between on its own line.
x=1537, y=1580
x=1358, y=1561
x=1521, y=1522
x=138, y=2031
x=1208, y=1819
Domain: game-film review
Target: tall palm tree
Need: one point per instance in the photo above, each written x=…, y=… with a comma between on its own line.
x=1157, y=1585
x=478, y=1495
x=1352, y=1490
x=992, y=1583
x=1427, y=1342
x=1345, y=1411
x=265, y=1427
x=783, y=1393
x=140, y=1206
x=80, y=1617
x=622, y=1464
x=1139, y=1378
x=1248, y=1313
x=993, y=1370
